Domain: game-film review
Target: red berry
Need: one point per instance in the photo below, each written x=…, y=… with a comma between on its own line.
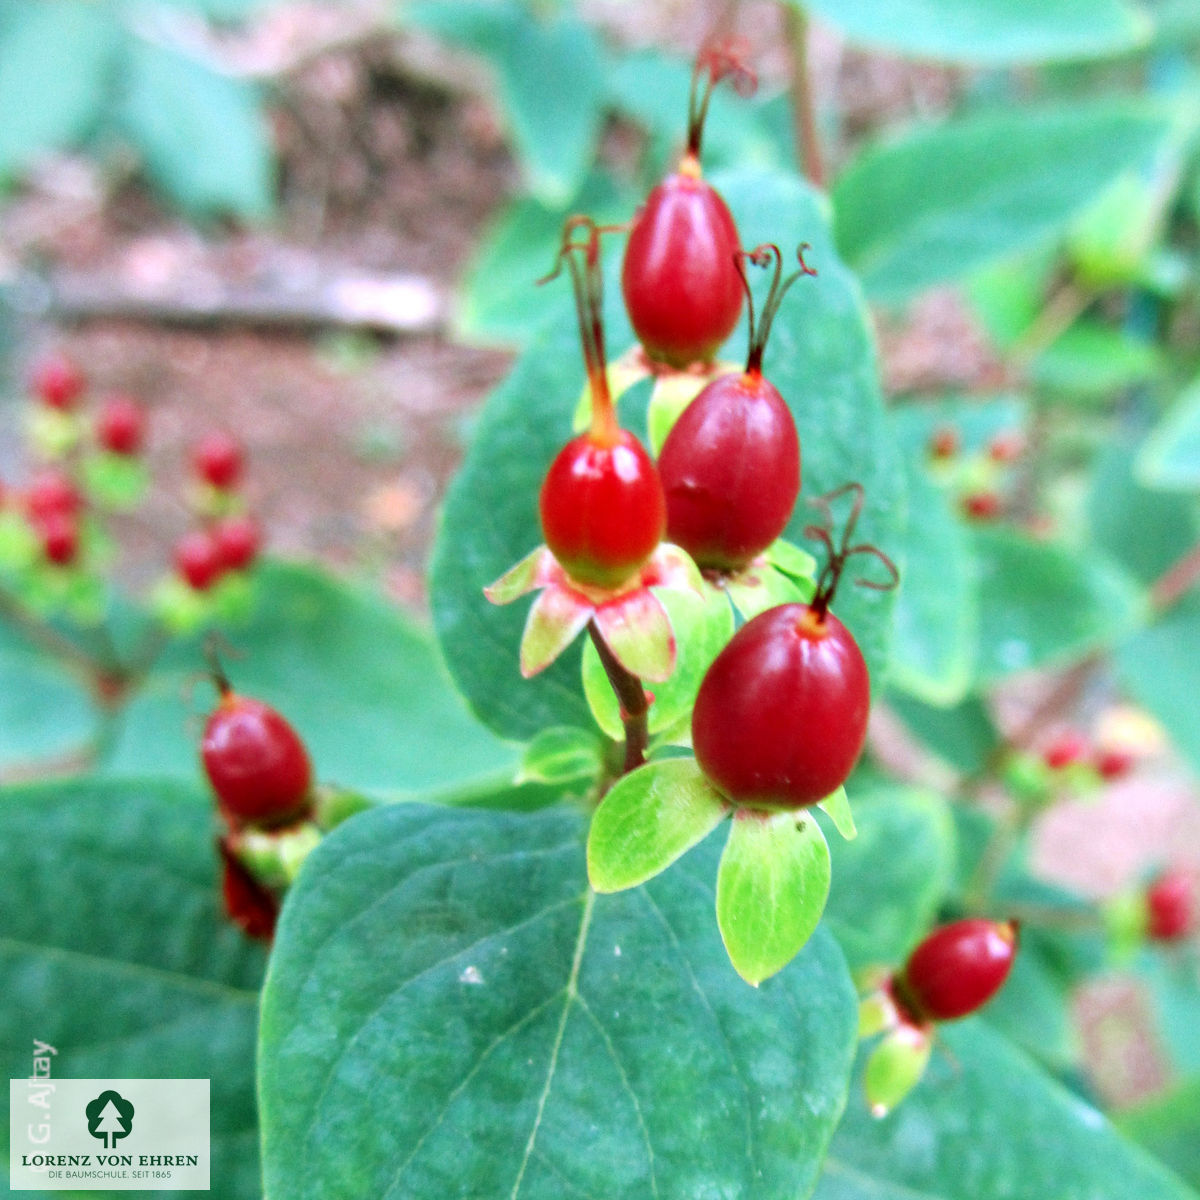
x=1113, y=764
x=944, y=443
x=781, y=716
x=1068, y=747
x=983, y=506
x=218, y=459
x=60, y=539
x=681, y=286
x=52, y=494
x=956, y=969
x=730, y=468
x=602, y=508
x=57, y=382
x=1171, y=906
x=121, y=425
x=249, y=905
x=256, y=762
x=238, y=540
x=198, y=559
x=1006, y=447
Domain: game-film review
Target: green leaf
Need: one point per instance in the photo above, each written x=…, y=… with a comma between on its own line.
x=115, y=952
x=1169, y=1127
x=362, y=685
x=202, y=135
x=820, y=358
x=836, y=807
x=1173, y=990
x=890, y=881
x=978, y=1125
x=57, y=63
x=990, y=31
x=946, y=199
x=1041, y=603
x=562, y=754
x=1170, y=457
x=937, y=610
x=1092, y=359
x=771, y=889
x=650, y=818
x=506, y=1011
x=1160, y=669
x=964, y=736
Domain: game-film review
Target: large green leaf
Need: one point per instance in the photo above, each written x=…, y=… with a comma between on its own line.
x=1160, y=668
x=57, y=63
x=990, y=31
x=1171, y=455
x=509, y=1033
x=1042, y=603
x=202, y=135
x=1169, y=1127
x=964, y=735
x=889, y=882
x=363, y=686
x=987, y=1125
x=113, y=950
x=945, y=199
x=821, y=359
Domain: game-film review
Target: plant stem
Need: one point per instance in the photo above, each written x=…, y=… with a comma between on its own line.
x=1176, y=581
x=631, y=696
x=808, y=144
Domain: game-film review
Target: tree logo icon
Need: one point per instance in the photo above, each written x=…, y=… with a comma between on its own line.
x=109, y=1117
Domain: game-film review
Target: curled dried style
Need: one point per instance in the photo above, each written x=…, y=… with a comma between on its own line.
x=831, y=573
x=719, y=58
x=765, y=255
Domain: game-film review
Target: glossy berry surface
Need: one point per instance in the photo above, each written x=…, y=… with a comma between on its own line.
x=57, y=382
x=250, y=906
x=198, y=559
x=730, y=470
x=602, y=508
x=52, y=494
x=956, y=969
x=781, y=716
x=1067, y=748
x=238, y=541
x=60, y=539
x=256, y=762
x=1171, y=906
x=681, y=286
x=121, y=425
x=983, y=506
x=219, y=460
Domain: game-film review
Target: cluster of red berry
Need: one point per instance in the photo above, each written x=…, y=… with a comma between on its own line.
x=978, y=479
x=1072, y=749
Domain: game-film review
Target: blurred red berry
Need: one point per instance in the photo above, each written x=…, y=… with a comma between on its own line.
x=1068, y=747
x=198, y=559
x=121, y=425
x=983, y=506
x=218, y=460
x=52, y=494
x=238, y=541
x=60, y=538
x=57, y=382
x=944, y=442
x=1006, y=447
x=957, y=969
x=1113, y=764
x=1171, y=906
x=250, y=906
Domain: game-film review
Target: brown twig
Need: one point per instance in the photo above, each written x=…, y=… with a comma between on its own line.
x=1176, y=581
x=631, y=696
x=804, y=118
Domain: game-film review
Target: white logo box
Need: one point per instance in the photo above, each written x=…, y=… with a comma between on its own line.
x=148, y=1135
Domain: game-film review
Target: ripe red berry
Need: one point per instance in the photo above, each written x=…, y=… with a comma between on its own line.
x=781, y=716
x=681, y=287
x=1113, y=764
x=944, y=443
x=198, y=559
x=956, y=969
x=1006, y=447
x=983, y=506
x=57, y=382
x=238, y=540
x=59, y=533
x=1067, y=748
x=219, y=459
x=248, y=904
x=52, y=494
x=121, y=425
x=602, y=508
x=255, y=761
x=730, y=466
x=1171, y=906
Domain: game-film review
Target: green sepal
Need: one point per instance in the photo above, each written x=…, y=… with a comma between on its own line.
x=561, y=754
x=179, y=606
x=274, y=858
x=233, y=597
x=116, y=481
x=895, y=1067
x=876, y=1012
x=772, y=885
x=649, y=818
x=332, y=805
x=836, y=807
x=673, y=392
x=52, y=432
x=557, y=617
x=761, y=586
x=789, y=559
